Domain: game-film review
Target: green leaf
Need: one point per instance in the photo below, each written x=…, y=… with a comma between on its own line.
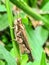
x=24, y=59
x=36, y=38
x=25, y=20
x=45, y=7
x=1, y=56
x=44, y=2
x=33, y=63
x=3, y=22
x=1, y=62
x=12, y=52
x=41, y=34
x=29, y=63
x=2, y=8
x=47, y=63
x=43, y=59
x=10, y=60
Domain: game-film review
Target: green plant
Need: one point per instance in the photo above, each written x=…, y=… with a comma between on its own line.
x=35, y=37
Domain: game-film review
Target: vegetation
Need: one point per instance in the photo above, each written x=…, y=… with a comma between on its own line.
x=24, y=32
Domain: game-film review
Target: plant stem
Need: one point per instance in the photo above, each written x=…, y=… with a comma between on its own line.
x=10, y=18
x=22, y=5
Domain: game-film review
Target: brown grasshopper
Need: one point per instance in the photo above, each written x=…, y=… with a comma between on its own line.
x=21, y=38
x=20, y=35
